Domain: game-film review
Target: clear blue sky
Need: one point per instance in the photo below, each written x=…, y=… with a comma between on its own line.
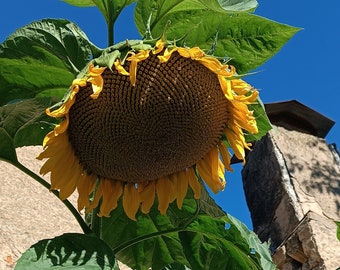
x=306, y=69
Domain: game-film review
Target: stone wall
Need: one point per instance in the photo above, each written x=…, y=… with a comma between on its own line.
x=292, y=185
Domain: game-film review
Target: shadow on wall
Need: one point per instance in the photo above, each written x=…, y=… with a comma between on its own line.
x=318, y=174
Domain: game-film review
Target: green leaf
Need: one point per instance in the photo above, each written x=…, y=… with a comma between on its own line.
x=7, y=150
x=80, y=3
x=338, y=230
x=176, y=266
x=230, y=5
x=248, y=40
x=25, y=121
x=262, y=121
x=69, y=251
x=42, y=59
x=192, y=238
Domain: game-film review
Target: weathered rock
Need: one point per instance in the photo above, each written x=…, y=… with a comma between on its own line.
x=292, y=186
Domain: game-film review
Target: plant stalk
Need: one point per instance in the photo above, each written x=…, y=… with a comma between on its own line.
x=66, y=202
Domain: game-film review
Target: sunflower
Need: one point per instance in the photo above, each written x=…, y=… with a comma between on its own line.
x=147, y=128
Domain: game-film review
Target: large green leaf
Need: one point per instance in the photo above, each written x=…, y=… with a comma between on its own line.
x=247, y=39
x=69, y=251
x=42, y=58
x=25, y=121
x=230, y=5
x=200, y=236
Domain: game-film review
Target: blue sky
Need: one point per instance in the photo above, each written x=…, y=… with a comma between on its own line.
x=306, y=69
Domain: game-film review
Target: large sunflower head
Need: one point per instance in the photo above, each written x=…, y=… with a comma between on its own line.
x=148, y=123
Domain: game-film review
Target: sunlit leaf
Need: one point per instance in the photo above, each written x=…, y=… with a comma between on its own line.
x=262, y=121
x=25, y=121
x=80, y=3
x=230, y=5
x=248, y=40
x=42, y=59
x=195, y=237
x=69, y=251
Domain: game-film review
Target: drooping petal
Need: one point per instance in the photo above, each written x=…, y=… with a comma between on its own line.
x=226, y=87
x=134, y=59
x=225, y=155
x=193, y=182
x=147, y=195
x=69, y=186
x=208, y=169
x=236, y=141
x=131, y=200
x=112, y=190
x=160, y=44
x=120, y=68
x=85, y=187
x=163, y=186
x=182, y=187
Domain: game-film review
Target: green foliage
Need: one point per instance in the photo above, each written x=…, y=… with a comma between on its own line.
x=69, y=251
x=262, y=121
x=230, y=5
x=338, y=230
x=25, y=121
x=109, y=8
x=248, y=40
x=57, y=47
x=200, y=236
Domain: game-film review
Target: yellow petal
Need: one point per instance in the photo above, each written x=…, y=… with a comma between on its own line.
x=120, y=68
x=69, y=186
x=112, y=190
x=193, y=182
x=215, y=66
x=95, y=71
x=97, y=85
x=131, y=200
x=167, y=54
x=163, y=186
x=225, y=155
x=147, y=195
x=134, y=59
x=59, y=177
x=160, y=44
x=97, y=196
x=182, y=187
x=236, y=143
x=208, y=168
x=226, y=87
x=85, y=187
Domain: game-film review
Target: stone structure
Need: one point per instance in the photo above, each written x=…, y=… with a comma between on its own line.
x=292, y=186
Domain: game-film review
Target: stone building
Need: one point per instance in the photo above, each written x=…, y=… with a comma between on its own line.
x=292, y=186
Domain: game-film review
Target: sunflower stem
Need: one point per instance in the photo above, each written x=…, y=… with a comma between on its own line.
x=96, y=222
x=66, y=202
x=110, y=33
